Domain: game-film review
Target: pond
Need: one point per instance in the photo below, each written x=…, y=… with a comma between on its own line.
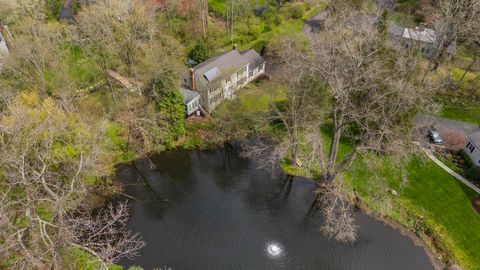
x=216, y=210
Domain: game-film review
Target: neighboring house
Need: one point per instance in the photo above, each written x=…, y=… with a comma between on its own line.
x=220, y=77
x=420, y=38
x=472, y=148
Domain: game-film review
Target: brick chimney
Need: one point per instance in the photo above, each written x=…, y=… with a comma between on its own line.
x=235, y=47
x=191, y=72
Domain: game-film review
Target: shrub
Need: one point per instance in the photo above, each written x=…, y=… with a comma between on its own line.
x=169, y=106
x=199, y=52
x=297, y=10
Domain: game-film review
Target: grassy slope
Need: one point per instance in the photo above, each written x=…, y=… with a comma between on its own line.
x=462, y=110
x=431, y=195
x=219, y=5
x=445, y=204
x=247, y=41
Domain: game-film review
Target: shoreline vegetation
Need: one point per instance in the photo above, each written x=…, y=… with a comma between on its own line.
x=430, y=207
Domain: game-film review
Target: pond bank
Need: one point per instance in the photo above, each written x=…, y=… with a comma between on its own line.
x=216, y=210
x=438, y=264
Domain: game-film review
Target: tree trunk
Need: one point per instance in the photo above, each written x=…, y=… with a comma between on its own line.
x=231, y=20
x=337, y=132
x=468, y=69
x=226, y=14
x=169, y=16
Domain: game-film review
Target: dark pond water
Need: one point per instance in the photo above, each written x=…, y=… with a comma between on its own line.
x=215, y=210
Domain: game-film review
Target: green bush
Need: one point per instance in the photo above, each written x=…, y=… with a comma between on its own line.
x=297, y=10
x=54, y=7
x=74, y=258
x=473, y=173
x=199, y=52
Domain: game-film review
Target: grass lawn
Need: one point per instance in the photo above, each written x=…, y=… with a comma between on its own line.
x=462, y=110
x=433, y=199
x=445, y=204
x=219, y=5
x=257, y=32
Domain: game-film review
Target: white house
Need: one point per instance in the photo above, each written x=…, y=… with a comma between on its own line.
x=220, y=77
x=472, y=148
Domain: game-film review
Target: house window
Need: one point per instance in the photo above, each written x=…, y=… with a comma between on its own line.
x=470, y=147
x=260, y=68
x=250, y=73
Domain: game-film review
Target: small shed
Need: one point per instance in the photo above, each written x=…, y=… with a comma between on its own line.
x=191, y=100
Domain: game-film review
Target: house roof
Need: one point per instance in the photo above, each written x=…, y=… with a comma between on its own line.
x=189, y=95
x=253, y=58
x=223, y=65
x=425, y=35
x=475, y=139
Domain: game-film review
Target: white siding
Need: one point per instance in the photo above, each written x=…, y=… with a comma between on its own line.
x=472, y=152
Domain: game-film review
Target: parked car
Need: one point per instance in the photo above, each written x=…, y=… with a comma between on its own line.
x=435, y=136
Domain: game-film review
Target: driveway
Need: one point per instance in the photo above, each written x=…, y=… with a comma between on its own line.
x=453, y=132
x=444, y=125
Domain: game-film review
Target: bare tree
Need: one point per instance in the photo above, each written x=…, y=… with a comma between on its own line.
x=453, y=17
x=471, y=35
x=105, y=234
x=298, y=111
x=372, y=91
x=338, y=216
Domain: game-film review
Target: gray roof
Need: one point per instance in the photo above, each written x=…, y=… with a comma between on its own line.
x=189, y=95
x=223, y=65
x=253, y=58
x=475, y=139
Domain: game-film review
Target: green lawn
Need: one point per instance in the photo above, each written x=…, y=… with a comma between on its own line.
x=257, y=32
x=434, y=199
x=219, y=5
x=445, y=204
x=462, y=110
